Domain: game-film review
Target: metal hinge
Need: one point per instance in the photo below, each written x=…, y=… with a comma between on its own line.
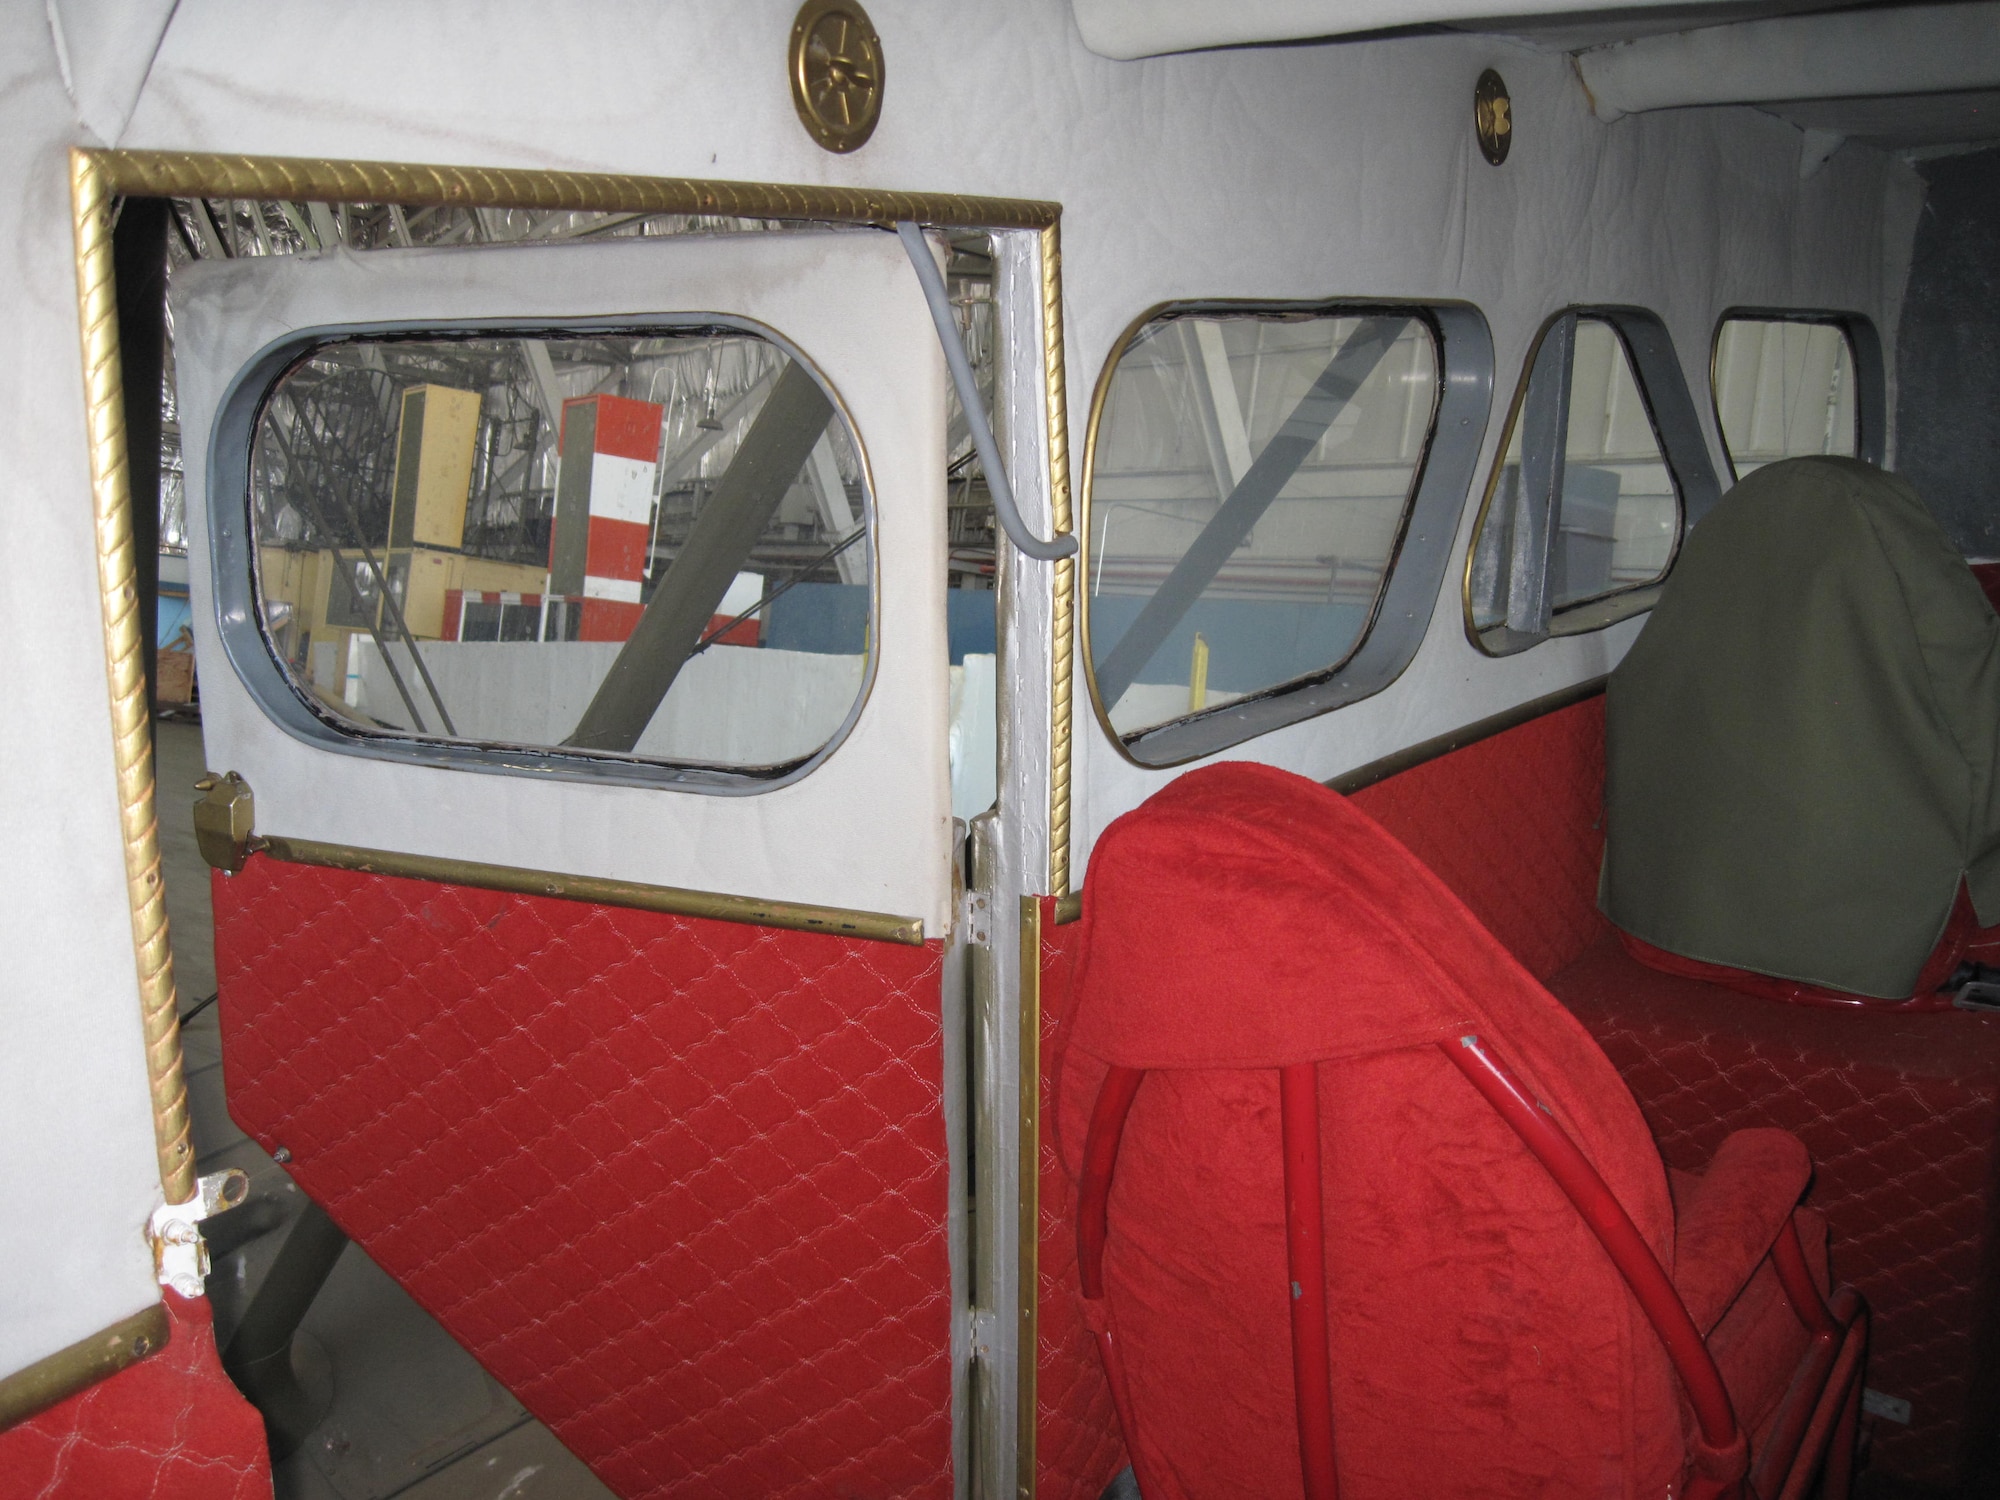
x=983, y=1334
x=224, y=820
x=180, y=1255
x=975, y=918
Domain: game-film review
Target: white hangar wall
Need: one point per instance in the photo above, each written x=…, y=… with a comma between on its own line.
x=1308, y=171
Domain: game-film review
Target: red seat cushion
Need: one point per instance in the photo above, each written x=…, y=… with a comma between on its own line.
x=1901, y=1113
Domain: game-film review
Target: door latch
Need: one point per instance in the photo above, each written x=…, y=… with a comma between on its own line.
x=223, y=821
x=180, y=1255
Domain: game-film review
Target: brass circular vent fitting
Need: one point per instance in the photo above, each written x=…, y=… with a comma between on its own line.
x=1493, y=116
x=836, y=69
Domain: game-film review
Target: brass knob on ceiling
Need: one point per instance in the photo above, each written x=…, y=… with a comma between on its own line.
x=1493, y=116
x=836, y=70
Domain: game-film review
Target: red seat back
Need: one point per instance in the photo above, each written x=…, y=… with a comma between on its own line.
x=1243, y=921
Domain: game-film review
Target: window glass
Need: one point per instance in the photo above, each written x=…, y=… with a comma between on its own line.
x=1250, y=475
x=1783, y=388
x=649, y=544
x=1617, y=510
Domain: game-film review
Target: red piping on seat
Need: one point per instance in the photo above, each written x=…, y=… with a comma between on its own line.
x=1530, y=1119
x=1305, y=1251
x=1100, y=1155
x=1835, y=1352
x=1834, y=1423
x=1788, y=1257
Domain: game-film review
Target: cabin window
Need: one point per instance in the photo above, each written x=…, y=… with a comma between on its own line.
x=1585, y=509
x=650, y=544
x=1784, y=387
x=1251, y=474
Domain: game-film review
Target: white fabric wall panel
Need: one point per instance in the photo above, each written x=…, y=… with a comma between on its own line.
x=82, y=1176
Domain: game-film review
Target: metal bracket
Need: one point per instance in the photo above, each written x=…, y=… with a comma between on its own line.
x=223, y=820
x=180, y=1255
x=1979, y=994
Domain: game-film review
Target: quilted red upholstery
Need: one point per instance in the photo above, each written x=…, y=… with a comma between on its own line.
x=679, y=1184
x=1078, y=1447
x=170, y=1427
x=1901, y=1113
x=1904, y=1143
x=1502, y=823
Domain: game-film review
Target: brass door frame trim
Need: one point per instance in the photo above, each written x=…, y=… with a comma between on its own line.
x=91, y=191
x=56, y=1377
x=1062, y=625
x=199, y=174
x=99, y=176
x=1029, y=1213
x=597, y=890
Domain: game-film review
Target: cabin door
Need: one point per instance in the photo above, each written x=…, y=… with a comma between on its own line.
x=574, y=627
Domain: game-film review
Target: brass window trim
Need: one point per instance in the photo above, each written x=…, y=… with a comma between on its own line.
x=1445, y=470
x=596, y=890
x=1028, y=1210
x=58, y=1376
x=1439, y=746
x=98, y=177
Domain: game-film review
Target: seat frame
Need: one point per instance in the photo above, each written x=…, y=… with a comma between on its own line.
x=1812, y=1433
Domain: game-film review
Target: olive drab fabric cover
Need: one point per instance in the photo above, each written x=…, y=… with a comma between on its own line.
x=1802, y=744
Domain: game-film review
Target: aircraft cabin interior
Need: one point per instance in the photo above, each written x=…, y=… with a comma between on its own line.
x=1013, y=750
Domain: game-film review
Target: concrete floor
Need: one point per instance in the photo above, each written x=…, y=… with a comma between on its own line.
x=409, y=1412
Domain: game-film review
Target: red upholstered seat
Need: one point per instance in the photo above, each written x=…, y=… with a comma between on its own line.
x=1255, y=946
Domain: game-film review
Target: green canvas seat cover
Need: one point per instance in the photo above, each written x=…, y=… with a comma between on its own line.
x=1801, y=745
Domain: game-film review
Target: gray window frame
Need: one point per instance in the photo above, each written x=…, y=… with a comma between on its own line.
x=1683, y=448
x=1417, y=561
x=1871, y=396
x=234, y=563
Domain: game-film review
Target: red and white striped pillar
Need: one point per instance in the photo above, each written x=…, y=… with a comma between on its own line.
x=609, y=448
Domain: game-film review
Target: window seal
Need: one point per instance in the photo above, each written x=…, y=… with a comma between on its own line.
x=235, y=565
x=1417, y=560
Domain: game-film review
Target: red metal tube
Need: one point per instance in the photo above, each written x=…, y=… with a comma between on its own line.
x=1837, y=1480
x=1831, y=1353
x=1530, y=1119
x=1305, y=1251
x=1788, y=1256
x=1100, y=1156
